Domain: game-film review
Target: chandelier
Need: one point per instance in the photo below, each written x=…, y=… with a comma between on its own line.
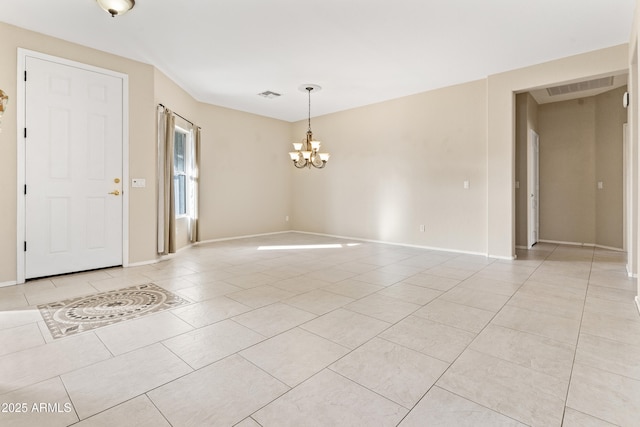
x=307, y=153
x=116, y=7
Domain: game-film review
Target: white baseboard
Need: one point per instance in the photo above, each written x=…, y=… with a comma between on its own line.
x=562, y=242
x=141, y=263
x=408, y=245
x=169, y=256
x=586, y=245
x=159, y=259
x=10, y=283
x=506, y=258
x=360, y=239
x=610, y=248
x=248, y=236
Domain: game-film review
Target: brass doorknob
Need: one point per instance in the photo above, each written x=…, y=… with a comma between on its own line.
x=115, y=192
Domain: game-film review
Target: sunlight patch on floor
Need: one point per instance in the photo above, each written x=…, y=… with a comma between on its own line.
x=290, y=247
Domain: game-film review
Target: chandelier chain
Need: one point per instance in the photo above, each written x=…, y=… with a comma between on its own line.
x=309, y=89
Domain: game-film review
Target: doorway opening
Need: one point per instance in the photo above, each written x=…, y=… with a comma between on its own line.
x=571, y=166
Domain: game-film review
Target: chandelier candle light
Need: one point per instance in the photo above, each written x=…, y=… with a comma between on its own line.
x=307, y=152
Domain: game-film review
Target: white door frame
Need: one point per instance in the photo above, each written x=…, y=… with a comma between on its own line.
x=533, y=185
x=626, y=185
x=21, y=166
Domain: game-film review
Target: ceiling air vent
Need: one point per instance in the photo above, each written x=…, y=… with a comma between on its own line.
x=269, y=95
x=580, y=86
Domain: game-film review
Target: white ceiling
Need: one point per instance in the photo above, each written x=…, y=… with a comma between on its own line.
x=225, y=52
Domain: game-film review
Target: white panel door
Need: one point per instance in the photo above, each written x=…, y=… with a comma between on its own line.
x=73, y=169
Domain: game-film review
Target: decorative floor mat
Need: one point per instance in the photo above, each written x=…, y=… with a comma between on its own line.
x=75, y=315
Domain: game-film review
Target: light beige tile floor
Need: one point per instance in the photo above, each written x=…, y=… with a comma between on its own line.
x=356, y=334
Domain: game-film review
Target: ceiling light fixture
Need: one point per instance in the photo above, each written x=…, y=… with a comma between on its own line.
x=116, y=7
x=307, y=152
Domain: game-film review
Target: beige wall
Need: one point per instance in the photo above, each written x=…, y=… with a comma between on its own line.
x=526, y=120
x=382, y=194
x=395, y=165
x=141, y=135
x=610, y=117
x=399, y=164
x=567, y=171
x=501, y=130
x=245, y=168
x=580, y=144
x=245, y=174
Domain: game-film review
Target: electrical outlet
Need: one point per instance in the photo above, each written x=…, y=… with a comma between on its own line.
x=286, y=218
x=422, y=228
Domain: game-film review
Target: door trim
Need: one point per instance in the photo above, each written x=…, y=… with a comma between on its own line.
x=533, y=184
x=626, y=189
x=21, y=152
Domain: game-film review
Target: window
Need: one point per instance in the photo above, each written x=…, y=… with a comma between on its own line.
x=181, y=170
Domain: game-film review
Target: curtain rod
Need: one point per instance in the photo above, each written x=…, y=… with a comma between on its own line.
x=183, y=118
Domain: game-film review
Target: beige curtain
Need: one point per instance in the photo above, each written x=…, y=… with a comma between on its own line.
x=166, y=191
x=194, y=232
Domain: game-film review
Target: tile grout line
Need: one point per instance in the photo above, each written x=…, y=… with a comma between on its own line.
x=70, y=400
x=606, y=370
x=435, y=384
x=449, y=363
x=593, y=256
x=575, y=351
x=155, y=406
x=272, y=376
x=462, y=397
x=345, y=355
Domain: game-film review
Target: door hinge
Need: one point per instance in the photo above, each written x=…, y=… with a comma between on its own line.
x=25, y=132
x=25, y=75
x=25, y=246
x=25, y=189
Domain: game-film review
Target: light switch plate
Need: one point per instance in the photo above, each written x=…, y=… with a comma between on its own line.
x=138, y=182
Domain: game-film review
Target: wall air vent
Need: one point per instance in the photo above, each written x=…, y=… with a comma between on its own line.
x=580, y=86
x=269, y=95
